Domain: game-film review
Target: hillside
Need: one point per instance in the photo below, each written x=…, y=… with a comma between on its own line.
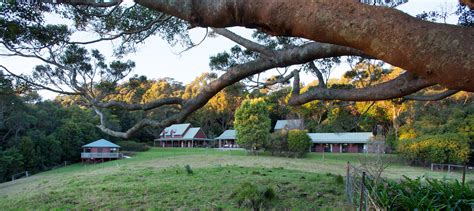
x=158, y=179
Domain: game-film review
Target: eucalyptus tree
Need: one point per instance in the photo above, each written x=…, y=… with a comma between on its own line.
x=432, y=54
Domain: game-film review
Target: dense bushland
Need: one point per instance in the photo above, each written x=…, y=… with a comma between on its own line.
x=446, y=148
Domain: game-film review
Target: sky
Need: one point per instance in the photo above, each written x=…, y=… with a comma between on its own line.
x=157, y=59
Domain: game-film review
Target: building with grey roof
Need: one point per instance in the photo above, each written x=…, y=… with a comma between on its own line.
x=352, y=142
x=99, y=151
x=227, y=139
x=183, y=135
x=289, y=124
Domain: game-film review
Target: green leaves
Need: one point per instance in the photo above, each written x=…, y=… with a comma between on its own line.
x=447, y=148
x=422, y=194
x=298, y=142
x=252, y=124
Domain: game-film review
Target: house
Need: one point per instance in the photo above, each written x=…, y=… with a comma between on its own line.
x=340, y=142
x=227, y=139
x=289, y=124
x=183, y=135
x=100, y=150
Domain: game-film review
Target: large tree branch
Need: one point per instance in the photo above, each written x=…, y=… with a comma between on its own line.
x=280, y=80
x=401, y=86
x=144, y=107
x=438, y=52
x=281, y=58
x=318, y=73
x=244, y=42
x=433, y=97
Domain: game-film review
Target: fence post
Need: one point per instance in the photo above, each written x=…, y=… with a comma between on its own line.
x=362, y=187
x=464, y=173
x=431, y=167
x=449, y=168
x=26, y=172
x=13, y=177
x=347, y=181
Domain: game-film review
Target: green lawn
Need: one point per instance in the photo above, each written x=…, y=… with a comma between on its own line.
x=157, y=179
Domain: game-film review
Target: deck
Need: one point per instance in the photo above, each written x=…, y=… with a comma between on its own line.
x=101, y=155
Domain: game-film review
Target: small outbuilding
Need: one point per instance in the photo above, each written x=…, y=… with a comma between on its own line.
x=289, y=124
x=227, y=139
x=340, y=142
x=183, y=135
x=100, y=150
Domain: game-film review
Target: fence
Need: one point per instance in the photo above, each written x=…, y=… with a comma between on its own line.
x=452, y=168
x=20, y=175
x=27, y=173
x=358, y=184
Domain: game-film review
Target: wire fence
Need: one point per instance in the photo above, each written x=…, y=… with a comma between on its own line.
x=358, y=184
x=24, y=174
x=453, y=171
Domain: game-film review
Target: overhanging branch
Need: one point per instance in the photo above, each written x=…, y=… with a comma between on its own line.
x=433, y=97
x=401, y=86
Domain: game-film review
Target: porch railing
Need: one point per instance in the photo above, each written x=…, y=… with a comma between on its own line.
x=101, y=155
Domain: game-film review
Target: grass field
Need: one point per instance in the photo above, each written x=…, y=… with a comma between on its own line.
x=157, y=179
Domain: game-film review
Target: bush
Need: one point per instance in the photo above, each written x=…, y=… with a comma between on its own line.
x=132, y=146
x=298, y=142
x=188, y=170
x=278, y=143
x=447, y=148
x=252, y=124
x=251, y=196
x=422, y=194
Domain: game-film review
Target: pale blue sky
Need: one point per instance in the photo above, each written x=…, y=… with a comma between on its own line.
x=157, y=59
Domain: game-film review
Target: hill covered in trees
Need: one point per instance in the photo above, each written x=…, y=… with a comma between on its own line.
x=37, y=135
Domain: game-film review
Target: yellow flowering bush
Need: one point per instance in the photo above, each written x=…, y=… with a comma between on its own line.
x=446, y=148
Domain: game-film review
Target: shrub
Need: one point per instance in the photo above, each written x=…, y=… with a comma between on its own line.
x=278, y=143
x=132, y=146
x=252, y=124
x=188, y=170
x=339, y=179
x=447, y=148
x=248, y=195
x=298, y=142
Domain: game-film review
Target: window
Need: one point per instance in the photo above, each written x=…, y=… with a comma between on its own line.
x=327, y=148
x=345, y=147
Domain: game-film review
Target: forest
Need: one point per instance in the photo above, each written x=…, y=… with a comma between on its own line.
x=38, y=135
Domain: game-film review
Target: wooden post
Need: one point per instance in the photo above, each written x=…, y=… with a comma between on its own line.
x=348, y=166
x=431, y=167
x=362, y=187
x=464, y=173
x=26, y=172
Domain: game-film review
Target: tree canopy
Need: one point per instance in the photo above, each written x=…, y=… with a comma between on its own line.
x=433, y=57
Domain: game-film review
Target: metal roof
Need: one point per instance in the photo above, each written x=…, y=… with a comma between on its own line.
x=182, y=139
x=289, y=123
x=188, y=135
x=179, y=129
x=358, y=137
x=101, y=143
x=228, y=134
x=191, y=133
